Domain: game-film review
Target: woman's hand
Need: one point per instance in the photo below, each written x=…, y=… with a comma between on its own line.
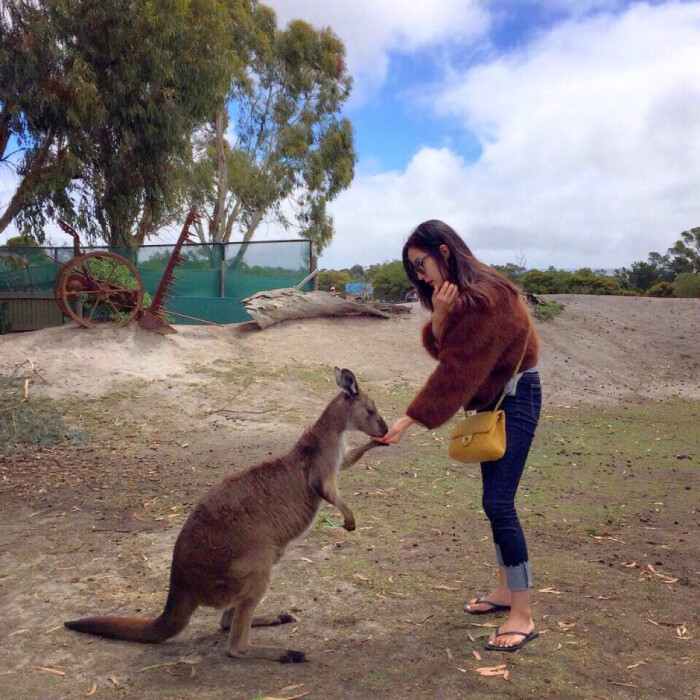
x=396, y=431
x=444, y=299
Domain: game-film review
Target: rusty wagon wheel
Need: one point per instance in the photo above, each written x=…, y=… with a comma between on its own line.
x=99, y=288
x=57, y=293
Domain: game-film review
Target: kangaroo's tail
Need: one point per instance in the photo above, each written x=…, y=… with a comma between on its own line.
x=178, y=610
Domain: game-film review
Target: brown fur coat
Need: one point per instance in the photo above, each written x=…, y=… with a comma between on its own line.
x=477, y=357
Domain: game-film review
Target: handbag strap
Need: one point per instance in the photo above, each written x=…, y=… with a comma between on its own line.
x=517, y=368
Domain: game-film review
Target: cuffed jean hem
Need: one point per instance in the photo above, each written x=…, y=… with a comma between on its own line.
x=518, y=577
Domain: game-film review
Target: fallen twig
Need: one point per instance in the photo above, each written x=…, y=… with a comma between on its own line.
x=55, y=671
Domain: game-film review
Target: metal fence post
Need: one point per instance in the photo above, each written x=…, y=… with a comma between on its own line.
x=222, y=271
x=314, y=264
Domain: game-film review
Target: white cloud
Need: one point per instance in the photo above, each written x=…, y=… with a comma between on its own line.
x=374, y=217
x=591, y=155
x=370, y=29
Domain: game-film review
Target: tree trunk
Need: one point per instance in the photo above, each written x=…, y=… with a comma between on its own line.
x=218, y=218
x=144, y=227
x=4, y=131
x=15, y=205
x=277, y=305
x=231, y=220
x=199, y=228
x=257, y=218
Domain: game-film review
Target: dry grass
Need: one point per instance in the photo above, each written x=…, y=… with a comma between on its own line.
x=26, y=419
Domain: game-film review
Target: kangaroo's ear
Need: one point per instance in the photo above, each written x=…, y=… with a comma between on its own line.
x=345, y=379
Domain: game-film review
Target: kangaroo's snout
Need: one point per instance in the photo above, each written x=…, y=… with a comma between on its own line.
x=363, y=414
x=367, y=418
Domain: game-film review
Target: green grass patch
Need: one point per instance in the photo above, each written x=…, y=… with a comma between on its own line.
x=606, y=493
x=228, y=371
x=325, y=520
x=401, y=392
x=110, y=415
x=547, y=310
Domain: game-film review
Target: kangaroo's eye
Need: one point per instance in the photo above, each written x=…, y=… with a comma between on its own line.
x=371, y=412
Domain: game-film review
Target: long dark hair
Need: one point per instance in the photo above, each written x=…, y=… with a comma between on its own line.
x=461, y=267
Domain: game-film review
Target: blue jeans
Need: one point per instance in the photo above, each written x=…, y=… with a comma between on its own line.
x=501, y=477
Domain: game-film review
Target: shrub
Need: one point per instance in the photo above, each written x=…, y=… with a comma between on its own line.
x=591, y=284
x=687, y=285
x=333, y=278
x=539, y=282
x=661, y=289
x=562, y=282
x=391, y=282
x=545, y=311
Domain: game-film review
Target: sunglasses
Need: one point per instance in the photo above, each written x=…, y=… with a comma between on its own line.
x=419, y=263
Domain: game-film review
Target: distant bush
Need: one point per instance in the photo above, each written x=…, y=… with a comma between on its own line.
x=661, y=289
x=593, y=284
x=511, y=271
x=687, y=285
x=583, y=281
x=333, y=278
x=390, y=282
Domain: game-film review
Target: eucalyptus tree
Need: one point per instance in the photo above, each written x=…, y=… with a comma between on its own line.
x=391, y=282
x=279, y=149
x=103, y=98
x=685, y=253
x=35, y=105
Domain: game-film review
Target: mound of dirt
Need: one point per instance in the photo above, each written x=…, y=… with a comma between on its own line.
x=598, y=350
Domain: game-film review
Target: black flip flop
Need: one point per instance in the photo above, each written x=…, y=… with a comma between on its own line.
x=495, y=607
x=526, y=637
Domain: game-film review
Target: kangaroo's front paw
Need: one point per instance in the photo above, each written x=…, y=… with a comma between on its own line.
x=349, y=524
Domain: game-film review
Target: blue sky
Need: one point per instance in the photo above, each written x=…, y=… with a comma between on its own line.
x=546, y=132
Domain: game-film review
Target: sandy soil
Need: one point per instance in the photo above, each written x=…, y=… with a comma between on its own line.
x=602, y=349
x=89, y=528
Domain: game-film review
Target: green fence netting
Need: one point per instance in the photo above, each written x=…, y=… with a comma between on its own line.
x=210, y=281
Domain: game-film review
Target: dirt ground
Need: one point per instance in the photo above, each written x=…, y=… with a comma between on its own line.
x=610, y=507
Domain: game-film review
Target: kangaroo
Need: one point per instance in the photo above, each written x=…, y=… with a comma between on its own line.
x=224, y=554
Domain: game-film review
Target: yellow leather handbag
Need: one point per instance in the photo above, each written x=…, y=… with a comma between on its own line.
x=481, y=437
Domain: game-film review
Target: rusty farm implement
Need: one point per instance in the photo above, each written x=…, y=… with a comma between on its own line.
x=104, y=288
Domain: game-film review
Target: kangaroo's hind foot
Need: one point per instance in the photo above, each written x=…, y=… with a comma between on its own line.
x=258, y=620
x=238, y=645
x=284, y=656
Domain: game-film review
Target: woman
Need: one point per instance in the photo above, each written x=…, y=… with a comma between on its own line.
x=478, y=332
